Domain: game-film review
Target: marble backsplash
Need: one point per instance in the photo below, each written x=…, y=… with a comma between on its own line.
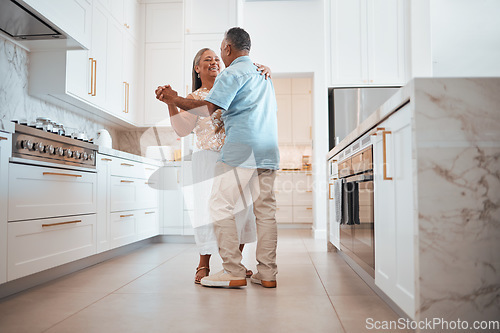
x=16, y=103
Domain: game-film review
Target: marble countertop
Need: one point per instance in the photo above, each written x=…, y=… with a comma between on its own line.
x=6, y=126
x=136, y=158
x=397, y=100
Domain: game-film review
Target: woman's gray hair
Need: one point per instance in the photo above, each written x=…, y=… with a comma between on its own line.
x=196, y=62
x=238, y=38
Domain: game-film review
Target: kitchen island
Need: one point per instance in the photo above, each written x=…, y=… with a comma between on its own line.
x=436, y=162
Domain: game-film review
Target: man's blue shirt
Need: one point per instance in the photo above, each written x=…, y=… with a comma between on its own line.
x=249, y=112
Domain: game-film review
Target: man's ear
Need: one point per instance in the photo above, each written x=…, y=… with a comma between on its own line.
x=227, y=49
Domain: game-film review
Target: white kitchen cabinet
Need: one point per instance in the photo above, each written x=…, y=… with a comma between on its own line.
x=223, y=15
x=284, y=103
x=71, y=16
x=293, y=97
x=333, y=225
x=294, y=199
x=127, y=14
x=164, y=65
x=367, y=42
x=5, y=152
x=37, y=245
x=131, y=80
x=393, y=209
x=40, y=192
x=116, y=88
x=165, y=22
x=124, y=193
x=123, y=228
x=103, y=165
x=148, y=223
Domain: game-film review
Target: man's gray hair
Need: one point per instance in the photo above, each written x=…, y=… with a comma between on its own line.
x=238, y=38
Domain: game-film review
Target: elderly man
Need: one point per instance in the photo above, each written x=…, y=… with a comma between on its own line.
x=249, y=158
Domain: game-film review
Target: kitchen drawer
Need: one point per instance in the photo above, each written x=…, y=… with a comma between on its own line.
x=36, y=245
x=284, y=197
x=123, y=228
x=284, y=181
x=38, y=192
x=303, y=181
x=147, y=223
x=125, y=193
x=302, y=214
x=284, y=214
x=302, y=197
x=131, y=169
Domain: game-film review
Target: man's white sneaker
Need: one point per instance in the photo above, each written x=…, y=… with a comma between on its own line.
x=223, y=279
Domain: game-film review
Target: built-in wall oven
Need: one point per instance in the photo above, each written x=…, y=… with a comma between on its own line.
x=357, y=222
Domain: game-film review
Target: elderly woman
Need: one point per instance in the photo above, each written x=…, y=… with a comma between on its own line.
x=210, y=134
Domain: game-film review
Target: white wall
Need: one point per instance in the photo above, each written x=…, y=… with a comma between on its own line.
x=465, y=37
x=289, y=37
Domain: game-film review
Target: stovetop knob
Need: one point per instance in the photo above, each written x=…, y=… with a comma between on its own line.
x=50, y=149
x=27, y=144
x=40, y=147
x=60, y=151
x=68, y=152
x=91, y=157
x=85, y=156
x=77, y=155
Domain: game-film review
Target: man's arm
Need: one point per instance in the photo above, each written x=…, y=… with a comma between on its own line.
x=196, y=107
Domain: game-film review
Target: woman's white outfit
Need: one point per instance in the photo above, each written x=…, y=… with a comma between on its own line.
x=210, y=136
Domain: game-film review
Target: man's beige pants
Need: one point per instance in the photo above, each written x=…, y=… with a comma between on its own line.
x=228, y=187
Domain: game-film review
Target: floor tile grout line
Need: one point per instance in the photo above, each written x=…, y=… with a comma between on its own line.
x=324, y=287
x=114, y=291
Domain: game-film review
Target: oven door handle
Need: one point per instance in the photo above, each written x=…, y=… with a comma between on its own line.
x=358, y=179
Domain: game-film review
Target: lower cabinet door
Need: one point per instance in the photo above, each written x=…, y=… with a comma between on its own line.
x=284, y=214
x=124, y=193
x=123, y=228
x=188, y=223
x=302, y=214
x=39, y=192
x=36, y=245
x=147, y=223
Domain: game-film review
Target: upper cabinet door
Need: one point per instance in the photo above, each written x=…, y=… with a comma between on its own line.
x=386, y=41
x=164, y=23
x=348, y=41
x=208, y=17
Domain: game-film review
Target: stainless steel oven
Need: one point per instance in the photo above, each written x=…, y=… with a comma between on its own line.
x=357, y=224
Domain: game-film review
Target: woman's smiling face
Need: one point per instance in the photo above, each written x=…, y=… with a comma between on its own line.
x=209, y=64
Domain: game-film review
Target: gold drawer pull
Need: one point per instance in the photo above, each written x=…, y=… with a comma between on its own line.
x=309, y=208
x=384, y=141
x=126, y=181
x=2, y=138
x=149, y=212
x=60, y=223
x=330, y=191
x=106, y=159
x=150, y=169
x=126, y=164
x=308, y=174
x=309, y=191
x=60, y=174
x=129, y=215
x=149, y=183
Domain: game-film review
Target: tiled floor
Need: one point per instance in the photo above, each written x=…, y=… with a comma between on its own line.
x=152, y=290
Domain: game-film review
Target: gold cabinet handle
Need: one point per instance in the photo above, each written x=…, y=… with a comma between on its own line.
x=384, y=140
x=309, y=208
x=129, y=215
x=150, y=169
x=60, y=174
x=330, y=185
x=2, y=138
x=125, y=96
x=91, y=76
x=375, y=131
x=149, y=212
x=95, y=77
x=106, y=159
x=60, y=223
x=309, y=191
x=148, y=183
x=126, y=164
x=126, y=181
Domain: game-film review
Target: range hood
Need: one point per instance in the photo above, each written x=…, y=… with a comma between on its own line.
x=21, y=24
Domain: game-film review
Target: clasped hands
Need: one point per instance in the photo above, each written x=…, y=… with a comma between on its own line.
x=166, y=94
